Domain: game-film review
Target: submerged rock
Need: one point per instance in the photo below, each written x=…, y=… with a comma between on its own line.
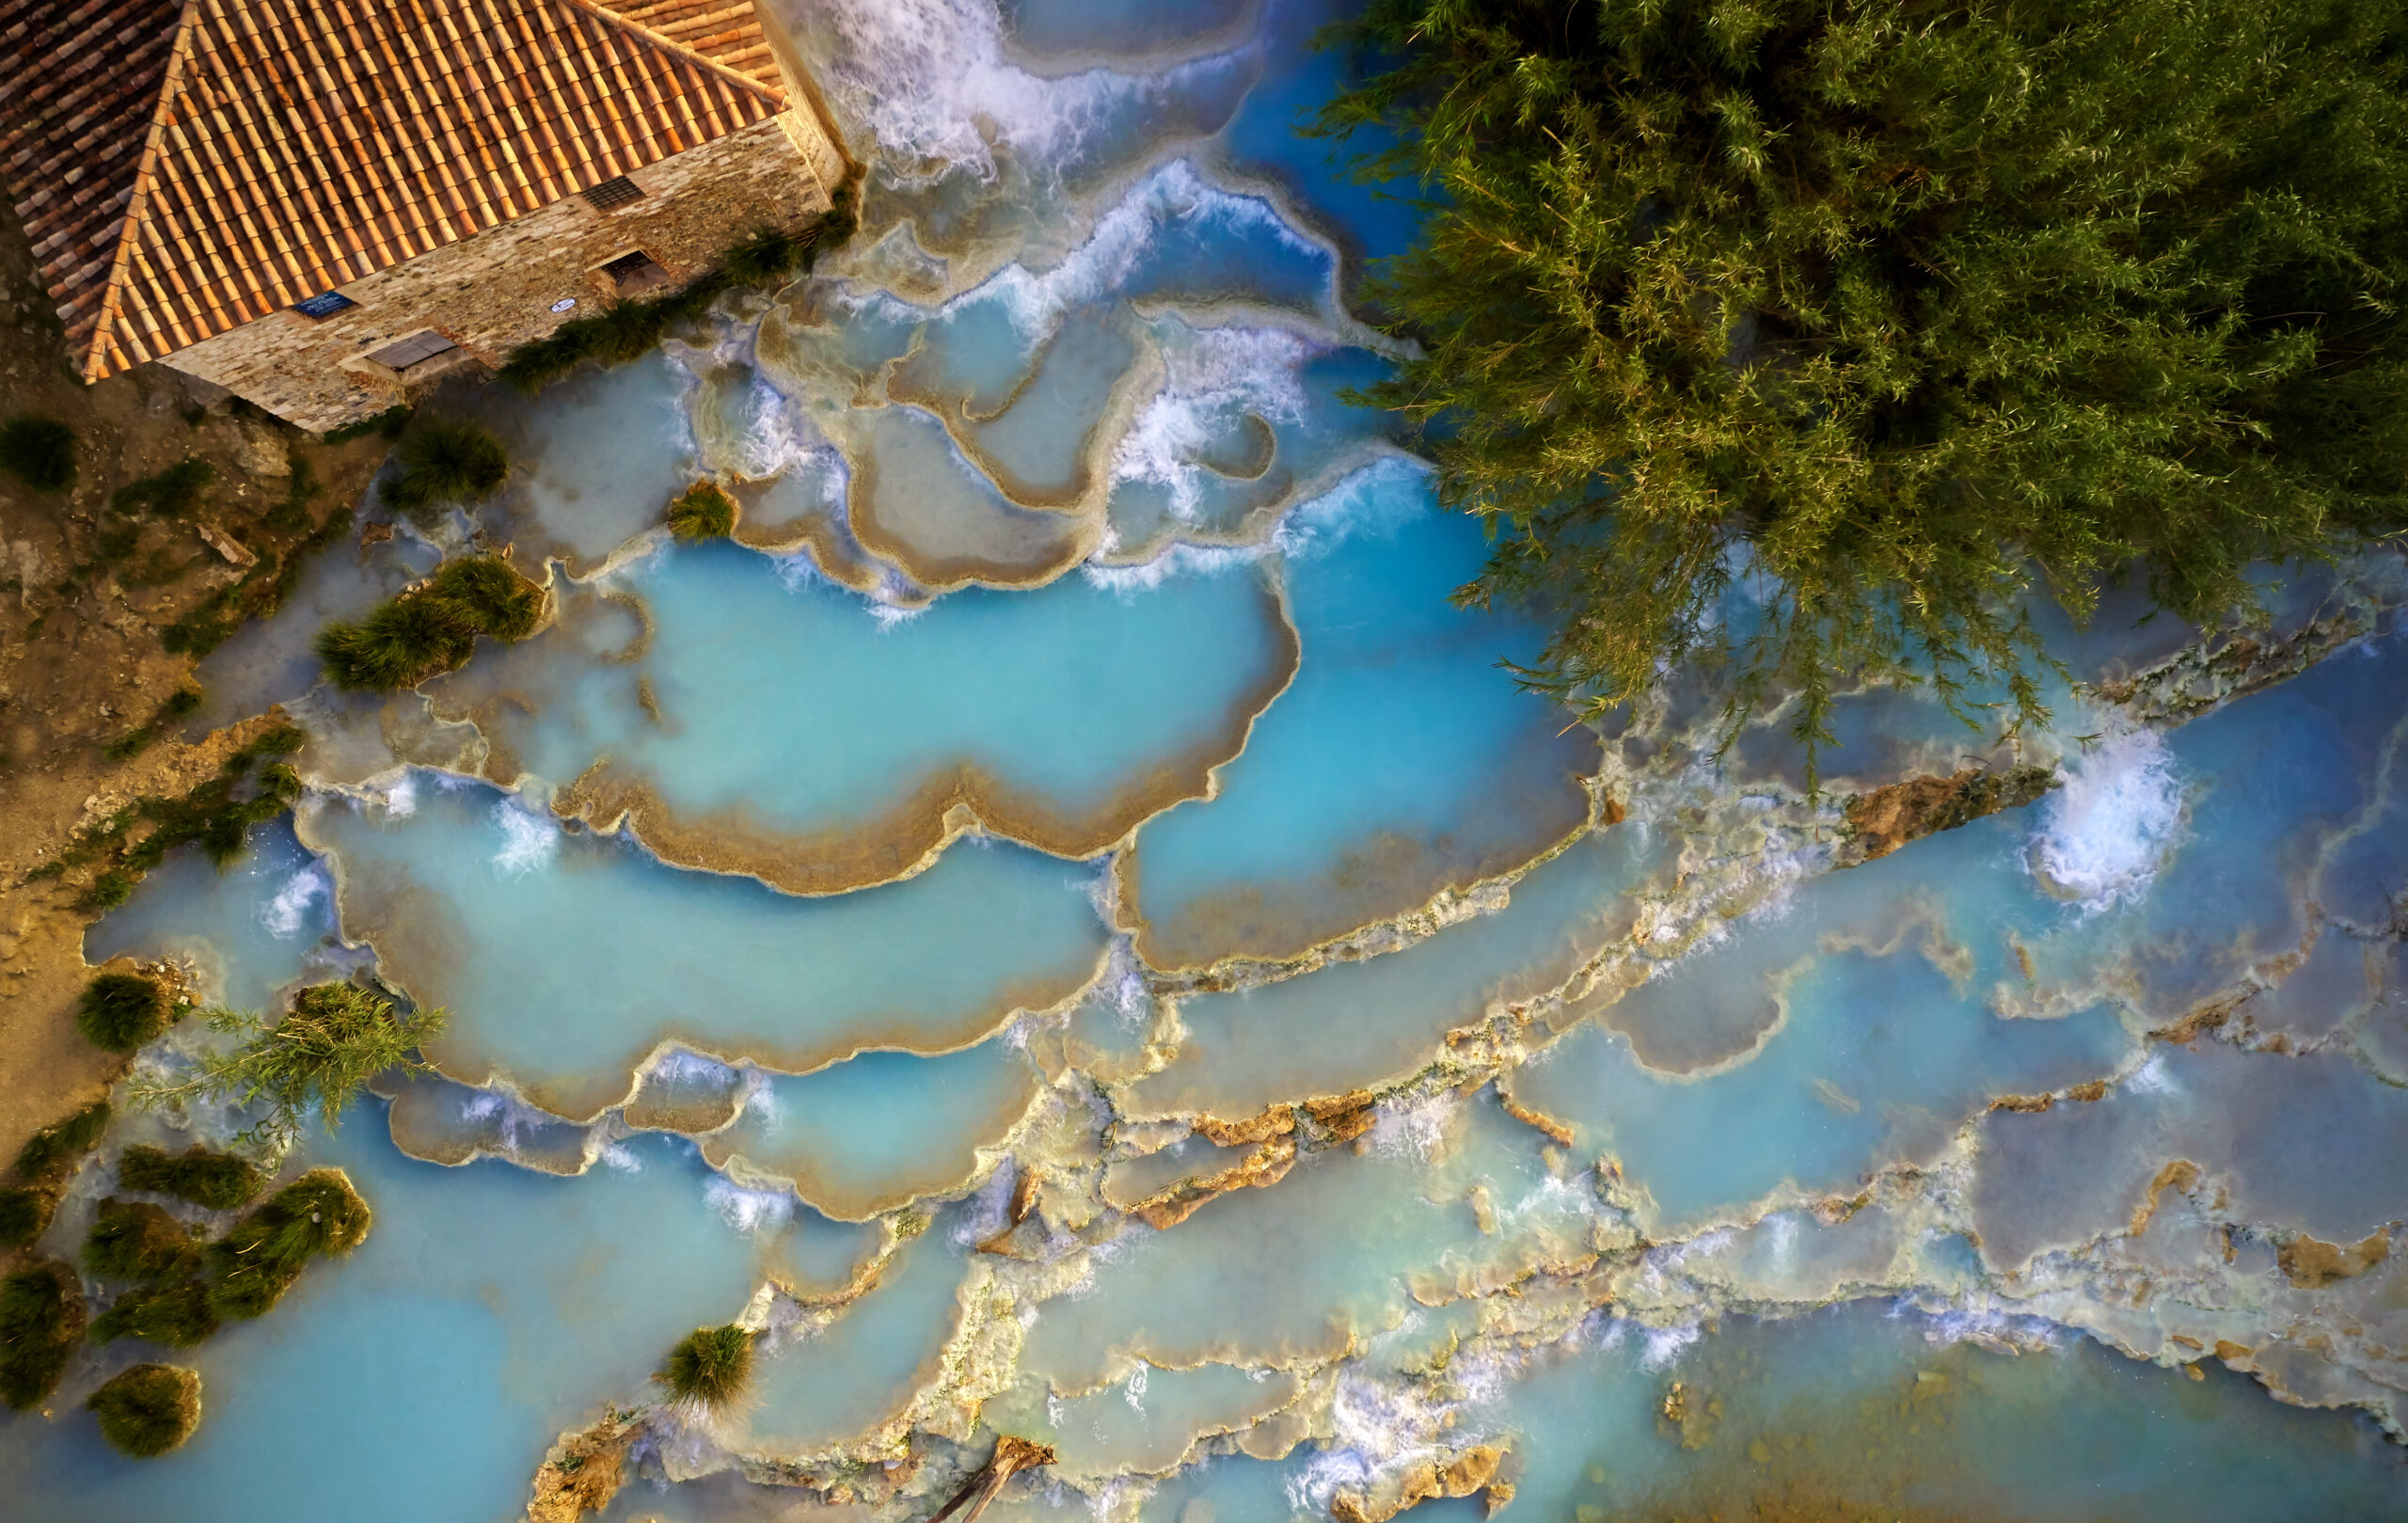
x=1887, y=819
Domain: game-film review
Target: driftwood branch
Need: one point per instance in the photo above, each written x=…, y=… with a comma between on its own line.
x=1012, y=1455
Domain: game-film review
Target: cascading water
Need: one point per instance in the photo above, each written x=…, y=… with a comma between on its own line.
x=1062, y=930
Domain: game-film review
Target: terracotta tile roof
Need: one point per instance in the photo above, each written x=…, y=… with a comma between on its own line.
x=184, y=166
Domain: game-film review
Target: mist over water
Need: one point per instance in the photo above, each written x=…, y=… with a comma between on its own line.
x=1062, y=929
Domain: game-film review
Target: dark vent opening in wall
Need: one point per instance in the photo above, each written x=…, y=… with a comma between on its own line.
x=633, y=273
x=617, y=191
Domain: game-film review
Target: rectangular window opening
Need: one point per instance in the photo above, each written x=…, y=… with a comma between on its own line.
x=326, y=306
x=632, y=273
x=416, y=349
x=617, y=191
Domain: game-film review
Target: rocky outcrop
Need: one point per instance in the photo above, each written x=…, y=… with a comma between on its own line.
x=1473, y=1471
x=582, y=1472
x=1887, y=819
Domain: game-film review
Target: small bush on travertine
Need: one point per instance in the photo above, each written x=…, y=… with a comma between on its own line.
x=138, y=1241
x=50, y=1153
x=38, y=452
x=148, y=1410
x=175, y=1316
x=25, y=1213
x=121, y=1011
x=710, y=1366
x=702, y=511
x=432, y=629
x=446, y=462
x=220, y=1182
x=41, y=1319
x=252, y=1266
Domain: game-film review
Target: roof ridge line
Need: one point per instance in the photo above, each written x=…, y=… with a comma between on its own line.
x=669, y=44
x=113, y=290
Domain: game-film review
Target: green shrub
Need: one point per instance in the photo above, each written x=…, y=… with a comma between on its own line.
x=218, y=1181
x=50, y=1153
x=252, y=1266
x=121, y=1011
x=432, y=628
x=138, y=1241
x=42, y=1320
x=444, y=463
x=25, y=1211
x=768, y=257
x=38, y=452
x=704, y=511
x=181, y=704
x=110, y=888
x=173, y=1316
x=148, y=1410
x=131, y=745
x=390, y=424
x=172, y=493
x=710, y=1366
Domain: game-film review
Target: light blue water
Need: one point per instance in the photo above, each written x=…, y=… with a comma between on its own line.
x=1057, y=713
x=415, y=1380
x=1401, y=762
x=566, y=960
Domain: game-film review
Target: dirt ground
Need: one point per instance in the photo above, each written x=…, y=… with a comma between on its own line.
x=82, y=663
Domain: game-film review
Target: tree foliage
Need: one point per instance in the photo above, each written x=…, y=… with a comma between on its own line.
x=1892, y=312
x=335, y=1039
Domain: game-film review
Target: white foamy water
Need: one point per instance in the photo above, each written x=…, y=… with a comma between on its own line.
x=528, y=842
x=286, y=914
x=748, y=1210
x=930, y=80
x=1220, y=373
x=2104, y=835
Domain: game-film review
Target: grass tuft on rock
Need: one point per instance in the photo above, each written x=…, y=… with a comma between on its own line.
x=710, y=1366
x=445, y=463
x=38, y=452
x=217, y=1181
x=702, y=512
x=173, y=1316
x=432, y=628
x=317, y=1215
x=50, y=1153
x=25, y=1211
x=121, y=1011
x=42, y=1320
x=172, y=493
x=148, y=1410
x=138, y=1241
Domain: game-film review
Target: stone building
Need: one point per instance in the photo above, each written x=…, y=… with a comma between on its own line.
x=324, y=205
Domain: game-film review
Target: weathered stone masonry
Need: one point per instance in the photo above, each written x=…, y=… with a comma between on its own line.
x=495, y=290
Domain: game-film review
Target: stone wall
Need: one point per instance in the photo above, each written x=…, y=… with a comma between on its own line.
x=490, y=293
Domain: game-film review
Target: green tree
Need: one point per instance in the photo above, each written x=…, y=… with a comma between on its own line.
x=1894, y=313
x=335, y=1039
